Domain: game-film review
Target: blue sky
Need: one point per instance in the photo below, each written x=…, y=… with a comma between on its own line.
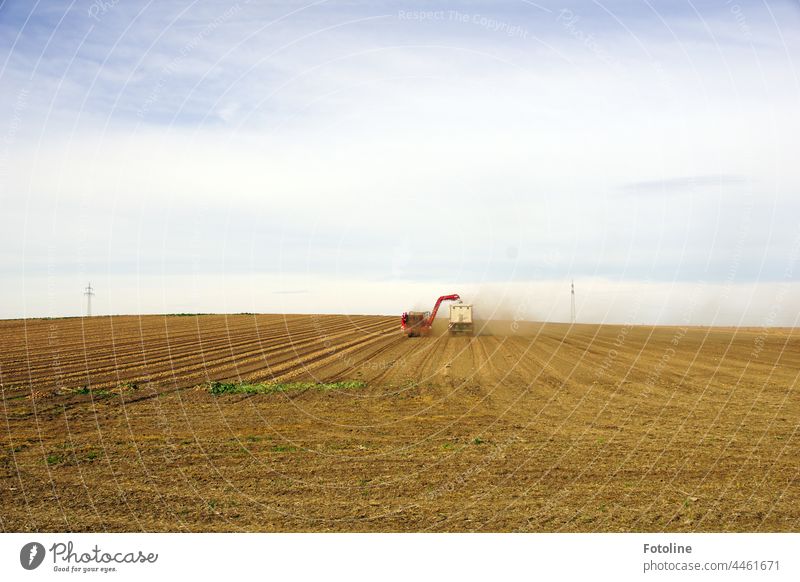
x=329, y=153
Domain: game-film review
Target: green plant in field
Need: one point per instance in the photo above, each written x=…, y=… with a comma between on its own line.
x=102, y=393
x=54, y=459
x=273, y=387
x=478, y=441
x=283, y=449
x=92, y=455
x=88, y=390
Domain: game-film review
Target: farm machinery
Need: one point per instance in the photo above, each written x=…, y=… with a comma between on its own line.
x=419, y=323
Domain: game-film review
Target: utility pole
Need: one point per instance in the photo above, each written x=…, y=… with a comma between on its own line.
x=572, y=306
x=89, y=293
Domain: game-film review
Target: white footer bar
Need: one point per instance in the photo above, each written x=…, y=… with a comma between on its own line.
x=407, y=557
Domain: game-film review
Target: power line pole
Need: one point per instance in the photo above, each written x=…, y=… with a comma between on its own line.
x=572, y=306
x=88, y=292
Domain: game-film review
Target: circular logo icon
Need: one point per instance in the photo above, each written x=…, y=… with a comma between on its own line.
x=31, y=555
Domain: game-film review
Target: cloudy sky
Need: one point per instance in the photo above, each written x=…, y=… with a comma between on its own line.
x=353, y=156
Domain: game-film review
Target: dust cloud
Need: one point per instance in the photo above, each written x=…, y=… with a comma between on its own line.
x=520, y=308
x=496, y=312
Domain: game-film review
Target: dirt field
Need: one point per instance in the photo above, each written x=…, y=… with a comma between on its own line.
x=108, y=424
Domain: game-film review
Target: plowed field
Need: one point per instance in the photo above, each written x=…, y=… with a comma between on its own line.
x=108, y=425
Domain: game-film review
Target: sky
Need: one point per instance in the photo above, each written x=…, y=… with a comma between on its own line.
x=366, y=157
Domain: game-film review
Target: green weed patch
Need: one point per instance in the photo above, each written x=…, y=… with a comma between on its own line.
x=271, y=388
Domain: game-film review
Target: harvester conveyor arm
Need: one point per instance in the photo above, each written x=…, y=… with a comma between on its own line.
x=453, y=297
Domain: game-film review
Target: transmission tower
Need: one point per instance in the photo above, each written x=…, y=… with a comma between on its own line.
x=572, y=305
x=89, y=293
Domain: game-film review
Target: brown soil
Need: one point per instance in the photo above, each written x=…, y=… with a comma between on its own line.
x=525, y=427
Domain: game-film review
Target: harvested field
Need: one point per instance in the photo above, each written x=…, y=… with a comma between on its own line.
x=109, y=425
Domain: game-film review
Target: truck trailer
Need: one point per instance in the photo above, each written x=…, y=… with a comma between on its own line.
x=460, y=319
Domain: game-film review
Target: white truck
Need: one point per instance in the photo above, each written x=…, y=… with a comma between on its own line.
x=460, y=319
